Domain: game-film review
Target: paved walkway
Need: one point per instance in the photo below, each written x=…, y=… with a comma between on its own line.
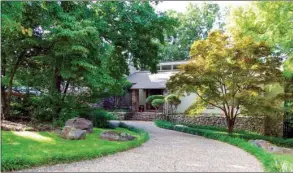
x=168, y=151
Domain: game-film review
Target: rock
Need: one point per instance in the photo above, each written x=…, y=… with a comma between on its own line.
x=115, y=136
x=80, y=123
x=72, y=133
x=270, y=147
x=179, y=125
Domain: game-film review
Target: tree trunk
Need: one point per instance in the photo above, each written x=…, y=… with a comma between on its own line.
x=230, y=124
x=3, y=101
x=10, y=84
x=58, y=80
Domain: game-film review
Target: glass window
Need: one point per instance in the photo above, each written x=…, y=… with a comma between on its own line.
x=166, y=67
x=176, y=67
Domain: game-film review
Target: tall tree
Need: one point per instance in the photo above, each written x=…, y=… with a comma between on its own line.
x=270, y=22
x=229, y=74
x=71, y=44
x=194, y=24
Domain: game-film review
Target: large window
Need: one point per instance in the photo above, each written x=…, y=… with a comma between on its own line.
x=166, y=67
x=176, y=66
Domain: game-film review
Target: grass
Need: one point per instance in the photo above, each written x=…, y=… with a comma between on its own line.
x=21, y=150
x=271, y=162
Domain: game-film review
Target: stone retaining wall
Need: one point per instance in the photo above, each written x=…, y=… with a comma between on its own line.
x=255, y=124
x=260, y=124
x=123, y=115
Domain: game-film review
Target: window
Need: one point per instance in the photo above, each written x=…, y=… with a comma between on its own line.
x=166, y=67
x=176, y=66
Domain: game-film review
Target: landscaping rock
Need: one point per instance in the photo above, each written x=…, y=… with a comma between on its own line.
x=270, y=147
x=80, y=123
x=72, y=133
x=115, y=136
x=179, y=125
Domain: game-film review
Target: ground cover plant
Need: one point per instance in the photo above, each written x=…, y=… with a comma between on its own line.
x=26, y=149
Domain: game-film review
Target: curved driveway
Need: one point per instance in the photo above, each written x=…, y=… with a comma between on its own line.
x=169, y=151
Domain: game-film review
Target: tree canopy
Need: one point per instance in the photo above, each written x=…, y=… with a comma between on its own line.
x=228, y=73
x=64, y=47
x=194, y=24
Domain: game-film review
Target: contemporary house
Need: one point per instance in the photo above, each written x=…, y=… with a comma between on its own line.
x=144, y=84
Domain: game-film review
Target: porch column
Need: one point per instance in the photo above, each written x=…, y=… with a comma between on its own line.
x=134, y=99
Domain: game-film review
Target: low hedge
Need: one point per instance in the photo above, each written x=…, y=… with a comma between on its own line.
x=248, y=135
x=268, y=160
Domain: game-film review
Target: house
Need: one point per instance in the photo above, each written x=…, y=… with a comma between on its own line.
x=144, y=84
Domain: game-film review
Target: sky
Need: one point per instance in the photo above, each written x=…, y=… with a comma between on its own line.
x=180, y=6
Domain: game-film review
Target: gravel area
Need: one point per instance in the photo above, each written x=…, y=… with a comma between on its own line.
x=167, y=151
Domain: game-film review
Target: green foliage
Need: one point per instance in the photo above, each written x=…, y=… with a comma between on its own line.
x=228, y=73
x=153, y=97
x=194, y=24
x=51, y=149
x=267, y=21
x=99, y=118
x=172, y=99
x=271, y=162
x=158, y=103
x=74, y=54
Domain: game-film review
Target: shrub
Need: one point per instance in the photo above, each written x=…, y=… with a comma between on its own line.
x=153, y=97
x=158, y=103
x=173, y=99
x=99, y=117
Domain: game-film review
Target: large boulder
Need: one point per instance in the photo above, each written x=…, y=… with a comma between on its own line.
x=80, y=123
x=72, y=133
x=115, y=136
x=270, y=147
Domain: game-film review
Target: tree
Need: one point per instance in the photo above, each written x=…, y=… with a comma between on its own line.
x=271, y=22
x=194, y=24
x=76, y=52
x=228, y=73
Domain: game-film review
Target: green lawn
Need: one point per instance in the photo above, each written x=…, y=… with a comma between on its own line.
x=271, y=162
x=28, y=149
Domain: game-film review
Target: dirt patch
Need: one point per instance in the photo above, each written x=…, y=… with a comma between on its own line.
x=25, y=126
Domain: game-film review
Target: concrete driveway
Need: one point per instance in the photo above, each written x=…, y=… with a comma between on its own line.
x=168, y=151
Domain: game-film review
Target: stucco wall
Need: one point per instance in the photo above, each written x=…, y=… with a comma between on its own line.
x=187, y=100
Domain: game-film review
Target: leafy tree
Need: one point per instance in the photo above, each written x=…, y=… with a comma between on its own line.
x=194, y=24
x=271, y=22
x=76, y=52
x=228, y=73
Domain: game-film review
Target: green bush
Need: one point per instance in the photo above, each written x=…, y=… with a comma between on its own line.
x=270, y=162
x=99, y=117
x=153, y=97
x=173, y=99
x=248, y=135
x=158, y=103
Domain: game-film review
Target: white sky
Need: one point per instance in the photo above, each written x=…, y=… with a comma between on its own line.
x=180, y=6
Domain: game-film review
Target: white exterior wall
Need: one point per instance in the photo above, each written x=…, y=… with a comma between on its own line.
x=187, y=101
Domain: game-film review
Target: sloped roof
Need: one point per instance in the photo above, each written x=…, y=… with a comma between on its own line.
x=146, y=80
